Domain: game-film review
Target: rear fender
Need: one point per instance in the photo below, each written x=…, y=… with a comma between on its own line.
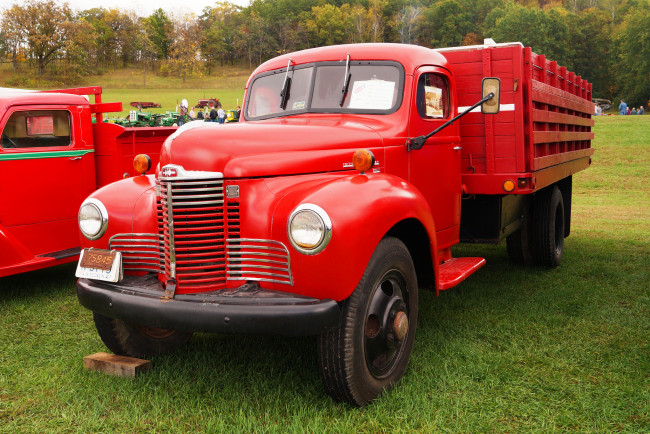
x=363, y=209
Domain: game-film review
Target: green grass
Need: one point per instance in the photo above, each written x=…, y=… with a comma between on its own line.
x=127, y=85
x=511, y=349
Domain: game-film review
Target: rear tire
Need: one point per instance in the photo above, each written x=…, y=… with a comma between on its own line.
x=519, y=242
x=126, y=339
x=369, y=351
x=548, y=227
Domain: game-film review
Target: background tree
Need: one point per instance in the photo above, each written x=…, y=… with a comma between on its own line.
x=45, y=26
x=184, y=58
x=160, y=30
x=632, y=55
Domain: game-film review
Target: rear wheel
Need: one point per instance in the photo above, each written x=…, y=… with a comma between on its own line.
x=519, y=242
x=133, y=340
x=548, y=227
x=368, y=353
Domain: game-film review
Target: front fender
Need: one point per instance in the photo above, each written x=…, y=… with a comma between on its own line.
x=363, y=209
x=131, y=206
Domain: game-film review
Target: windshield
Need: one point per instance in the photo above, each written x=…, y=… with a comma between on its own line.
x=374, y=87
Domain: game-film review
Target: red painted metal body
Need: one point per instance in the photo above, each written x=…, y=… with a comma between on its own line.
x=43, y=184
x=541, y=136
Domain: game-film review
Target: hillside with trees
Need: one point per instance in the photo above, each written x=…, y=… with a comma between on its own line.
x=605, y=41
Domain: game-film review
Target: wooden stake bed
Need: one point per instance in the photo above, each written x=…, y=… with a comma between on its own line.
x=113, y=364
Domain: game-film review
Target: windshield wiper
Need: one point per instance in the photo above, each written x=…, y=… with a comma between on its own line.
x=346, y=83
x=284, y=93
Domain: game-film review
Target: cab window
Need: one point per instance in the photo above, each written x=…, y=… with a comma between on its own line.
x=433, y=96
x=37, y=129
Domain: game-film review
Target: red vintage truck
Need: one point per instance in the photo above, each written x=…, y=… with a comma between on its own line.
x=354, y=171
x=52, y=156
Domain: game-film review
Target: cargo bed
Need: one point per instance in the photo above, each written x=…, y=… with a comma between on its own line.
x=543, y=131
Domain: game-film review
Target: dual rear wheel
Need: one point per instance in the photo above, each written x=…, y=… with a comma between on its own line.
x=540, y=240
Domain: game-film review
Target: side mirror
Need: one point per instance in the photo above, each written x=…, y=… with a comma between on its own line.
x=491, y=85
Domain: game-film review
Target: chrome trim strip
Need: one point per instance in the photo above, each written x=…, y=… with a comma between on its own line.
x=170, y=230
x=261, y=273
x=261, y=267
x=205, y=202
x=218, y=188
x=251, y=246
x=182, y=174
x=265, y=261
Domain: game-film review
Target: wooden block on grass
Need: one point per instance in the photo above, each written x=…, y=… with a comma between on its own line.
x=121, y=366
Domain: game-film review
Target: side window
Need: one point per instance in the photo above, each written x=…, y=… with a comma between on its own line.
x=433, y=96
x=37, y=129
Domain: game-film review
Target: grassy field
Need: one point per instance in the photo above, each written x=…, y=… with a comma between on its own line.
x=511, y=349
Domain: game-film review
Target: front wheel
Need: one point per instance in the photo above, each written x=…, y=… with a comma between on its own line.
x=369, y=351
x=126, y=339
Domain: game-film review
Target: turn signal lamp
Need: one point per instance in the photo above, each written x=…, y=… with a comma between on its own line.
x=363, y=160
x=508, y=185
x=142, y=163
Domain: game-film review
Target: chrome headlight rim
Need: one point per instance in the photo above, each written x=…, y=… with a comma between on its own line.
x=99, y=206
x=327, y=228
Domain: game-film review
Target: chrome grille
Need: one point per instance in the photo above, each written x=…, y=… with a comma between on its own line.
x=201, y=242
x=140, y=252
x=260, y=260
x=194, y=232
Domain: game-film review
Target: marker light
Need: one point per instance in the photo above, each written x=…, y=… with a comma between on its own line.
x=142, y=163
x=508, y=185
x=363, y=160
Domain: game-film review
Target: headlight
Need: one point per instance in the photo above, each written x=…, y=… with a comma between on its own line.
x=93, y=219
x=309, y=229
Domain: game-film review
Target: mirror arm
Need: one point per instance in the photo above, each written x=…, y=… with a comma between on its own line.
x=417, y=142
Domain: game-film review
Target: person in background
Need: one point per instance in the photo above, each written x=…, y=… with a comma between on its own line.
x=633, y=112
x=599, y=110
x=199, y=114
x=237, y=113
x=221, y=114
x=213, y=114
x=182, y=115
x=192, y=114
x=622, y=108
x=627, y=112
x=641, y=110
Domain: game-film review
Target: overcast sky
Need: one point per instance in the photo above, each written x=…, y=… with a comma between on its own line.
x=143, y=8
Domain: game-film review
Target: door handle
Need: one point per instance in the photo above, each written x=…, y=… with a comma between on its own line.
x=457, y=148
x=74, y=158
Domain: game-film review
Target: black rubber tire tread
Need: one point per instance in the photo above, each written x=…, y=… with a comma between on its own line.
x=126, y=339
x=519, y=243
x=549, y=205
x=340, y=352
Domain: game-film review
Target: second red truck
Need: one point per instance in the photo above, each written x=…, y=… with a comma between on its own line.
x=354, y=171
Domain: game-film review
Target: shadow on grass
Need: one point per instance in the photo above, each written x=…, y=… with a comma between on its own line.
x=48, y=282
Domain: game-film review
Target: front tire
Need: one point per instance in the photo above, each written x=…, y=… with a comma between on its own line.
x=126, y=339
x=369, y=351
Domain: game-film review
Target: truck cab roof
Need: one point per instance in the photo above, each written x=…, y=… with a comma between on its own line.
x=410, y=56
x=13, y=97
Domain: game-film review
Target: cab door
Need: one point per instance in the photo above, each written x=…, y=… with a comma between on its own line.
x=435, y=168
x=44, y=168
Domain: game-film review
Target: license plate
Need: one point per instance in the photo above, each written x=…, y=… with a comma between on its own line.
x=100, y=265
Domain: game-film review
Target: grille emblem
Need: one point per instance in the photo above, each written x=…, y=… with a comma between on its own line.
x=232, y=191
x=168, y=172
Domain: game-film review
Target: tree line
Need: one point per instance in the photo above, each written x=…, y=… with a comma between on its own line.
x=605, y=41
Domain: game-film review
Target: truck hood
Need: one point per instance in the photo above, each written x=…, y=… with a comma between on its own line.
x=277, y=147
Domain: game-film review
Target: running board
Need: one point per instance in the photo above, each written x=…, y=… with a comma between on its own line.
x=455, y=270
x=62, y=254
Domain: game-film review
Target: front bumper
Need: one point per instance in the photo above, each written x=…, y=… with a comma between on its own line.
x=248, y=309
